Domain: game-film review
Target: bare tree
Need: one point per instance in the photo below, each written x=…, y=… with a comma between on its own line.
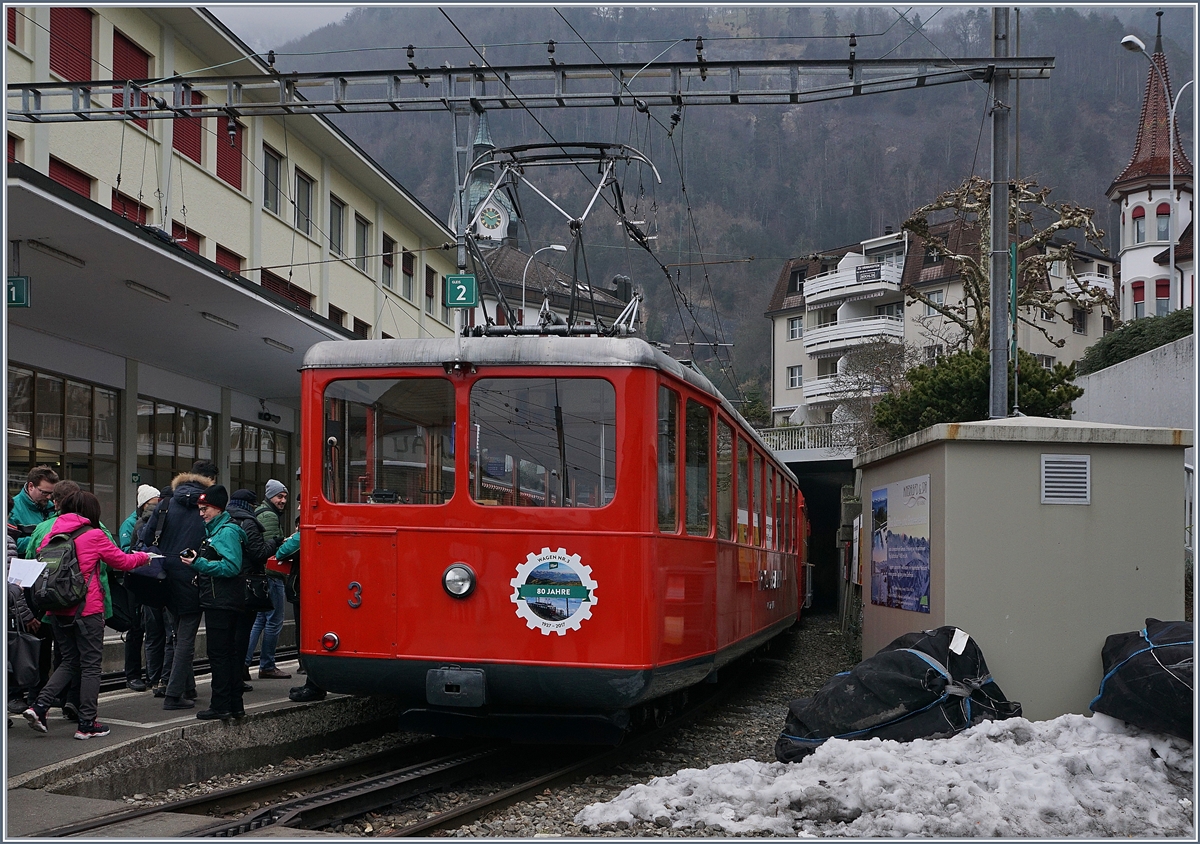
x=970, y=318
x=866, y=374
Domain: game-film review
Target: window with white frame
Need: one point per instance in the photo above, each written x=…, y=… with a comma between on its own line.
x=795, y=328
x=1162, y=219
x=1079, y=320
x=1045, y=361
x=337, y=224
x=362, y=240
x=1139, y=225
x=892, y=309
x=1047, y=314
x=389, y=262
x=795, y=376
x=272, y=167
x=304, y=199
x=933, y=353
x=936, y=298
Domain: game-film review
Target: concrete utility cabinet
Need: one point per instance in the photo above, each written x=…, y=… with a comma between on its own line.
x=1038, y=537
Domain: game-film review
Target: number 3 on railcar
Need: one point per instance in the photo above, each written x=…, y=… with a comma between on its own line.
x=534, y=536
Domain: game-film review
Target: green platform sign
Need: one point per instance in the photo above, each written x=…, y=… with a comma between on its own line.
x=461, y=291
x=18, y=291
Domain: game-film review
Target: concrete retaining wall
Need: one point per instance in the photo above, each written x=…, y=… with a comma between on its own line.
x=1156, y=389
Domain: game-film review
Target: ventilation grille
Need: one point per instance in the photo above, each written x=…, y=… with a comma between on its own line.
x=1066, y=479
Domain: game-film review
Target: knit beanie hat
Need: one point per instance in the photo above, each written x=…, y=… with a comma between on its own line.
x=243, y=498
x=145, y=493
x=274, y=487
x=215, y=496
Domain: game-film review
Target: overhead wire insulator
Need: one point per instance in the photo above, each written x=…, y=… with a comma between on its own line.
x=271, y=59
x=700, y=58
x=853, y=44
x=550, y=50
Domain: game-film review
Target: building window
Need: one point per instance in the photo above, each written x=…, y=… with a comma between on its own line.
x=69, y=177
x=256, y=455
x=1139, y=299
x=795, y=376
x=389, y=261
x=1108, y=324
x=1162, y=218
x=272, y=168
x=795, y=328
x=187, y=133
x=12, y=24
x=13, y=142
x=826, y=317
x=130, y=62
x=936, y=298
x=430, y=289
x=71, y=43
x=337, y=315
x=286, y=289
x=1079, y=320
x=362, y=240
x=933, y=353
x=1162, y=297
x=892, y=309
x=1047, y=314
x=1139, y=225
x=932, y=256
x=362, y=329
x=188, y=238
x=229, y=155
x=70, y=425
x=796, y=281
x=228, y=259
x=129, y=208
x=1045, y=361
x=304, y=198
x=408, y=265
x=337, y=224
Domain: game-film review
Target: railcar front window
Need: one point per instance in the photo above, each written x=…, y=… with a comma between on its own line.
x=389, y=441
x=543, y=442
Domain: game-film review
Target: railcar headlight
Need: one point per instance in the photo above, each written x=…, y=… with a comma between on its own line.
x=458, y=580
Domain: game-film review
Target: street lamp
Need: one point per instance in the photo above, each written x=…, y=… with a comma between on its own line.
x=557, y=247
x=1135, y=45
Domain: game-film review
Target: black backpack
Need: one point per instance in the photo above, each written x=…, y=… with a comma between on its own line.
x=61, y=584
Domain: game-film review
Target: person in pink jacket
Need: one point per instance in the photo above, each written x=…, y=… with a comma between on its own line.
x=79, y=631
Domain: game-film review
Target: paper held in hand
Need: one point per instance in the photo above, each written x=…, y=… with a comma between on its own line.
x=24, y=572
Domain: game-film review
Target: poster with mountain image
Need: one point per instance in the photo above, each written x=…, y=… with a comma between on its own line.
x=900, y=545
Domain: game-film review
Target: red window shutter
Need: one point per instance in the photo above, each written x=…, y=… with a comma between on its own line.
x=500, y=315
x=1139, y=291
x=408, y=262
x=1164, y=210
x=129, y=208
x=1162, y=289
x=229, y=158
x=286, y=289
x=229, y=260
x=130, y=62
x=1138, y=212
x=12, y=149
x=12, y=27
x=187, y=133
x=389, y=248
x=71, y=43
x=68, y=176
x=185, y=237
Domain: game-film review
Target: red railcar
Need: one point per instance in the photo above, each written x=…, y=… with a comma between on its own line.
x=536, y=533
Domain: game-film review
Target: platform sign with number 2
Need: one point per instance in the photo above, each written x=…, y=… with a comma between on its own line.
x=461, y=291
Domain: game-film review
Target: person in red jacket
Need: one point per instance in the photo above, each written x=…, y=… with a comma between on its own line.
x=79, y=631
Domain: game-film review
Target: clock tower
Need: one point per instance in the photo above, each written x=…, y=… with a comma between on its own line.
x=496, y=222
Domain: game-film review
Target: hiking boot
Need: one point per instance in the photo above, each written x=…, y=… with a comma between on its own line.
x=212, y=715
x=273, y=674
x=90, y=729
x=36, y=719
x=137, y=685
x=177, y=703
x=238, y=713
x=70, y=711
x=17, y=705
x=306, y=693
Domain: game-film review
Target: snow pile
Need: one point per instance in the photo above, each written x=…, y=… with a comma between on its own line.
x=1071, y=777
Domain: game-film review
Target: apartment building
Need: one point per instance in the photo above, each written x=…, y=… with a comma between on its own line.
x=179, y=269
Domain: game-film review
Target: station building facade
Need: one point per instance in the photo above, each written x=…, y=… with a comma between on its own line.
x=179, y=269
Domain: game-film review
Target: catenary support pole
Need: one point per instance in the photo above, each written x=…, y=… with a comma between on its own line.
x=998, y=300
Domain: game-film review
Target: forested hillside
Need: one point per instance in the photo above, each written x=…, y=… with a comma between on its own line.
x=767, y=182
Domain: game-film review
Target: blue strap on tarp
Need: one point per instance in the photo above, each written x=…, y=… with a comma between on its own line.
x=1149, y=647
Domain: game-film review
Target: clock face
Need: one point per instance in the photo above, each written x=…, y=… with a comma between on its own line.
x=490, y=218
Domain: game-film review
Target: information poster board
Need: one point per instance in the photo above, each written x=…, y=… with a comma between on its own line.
x=900, y=545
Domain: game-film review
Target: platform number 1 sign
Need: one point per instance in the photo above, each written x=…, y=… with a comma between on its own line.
x=461, y=291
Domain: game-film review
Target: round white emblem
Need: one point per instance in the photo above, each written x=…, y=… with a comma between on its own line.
x=553, y=591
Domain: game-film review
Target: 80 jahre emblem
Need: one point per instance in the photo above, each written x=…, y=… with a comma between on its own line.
x=553, y=591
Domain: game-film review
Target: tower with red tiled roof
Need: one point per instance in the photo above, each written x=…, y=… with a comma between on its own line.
x=1142, y=189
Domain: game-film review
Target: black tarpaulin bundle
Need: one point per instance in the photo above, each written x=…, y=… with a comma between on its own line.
x=1148, y=678
x=923, y=685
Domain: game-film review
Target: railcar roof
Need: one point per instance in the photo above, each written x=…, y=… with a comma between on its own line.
x=511, y=351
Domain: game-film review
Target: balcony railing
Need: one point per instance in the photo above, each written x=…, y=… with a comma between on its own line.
x=1093, y=280
x=819, y=388
x=851, y=282
x=796, y=437
x=852, y=332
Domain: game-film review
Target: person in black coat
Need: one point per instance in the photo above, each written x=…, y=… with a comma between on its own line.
x=255, y=551
x=181, y=528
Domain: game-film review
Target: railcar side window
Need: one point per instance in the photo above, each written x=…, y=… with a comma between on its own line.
x=760, y=503
x=743, y=492
x=697, y=468
x=724, y=480
x=543, y=442
x=668, y=460
x=389, y=441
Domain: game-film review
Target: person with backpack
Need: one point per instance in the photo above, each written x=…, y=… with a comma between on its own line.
x=78, y=546
x=218, y=567
x=157, y=621
x=135, y=633
x=176, y=525
x=268, y=625
x=255, y=552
